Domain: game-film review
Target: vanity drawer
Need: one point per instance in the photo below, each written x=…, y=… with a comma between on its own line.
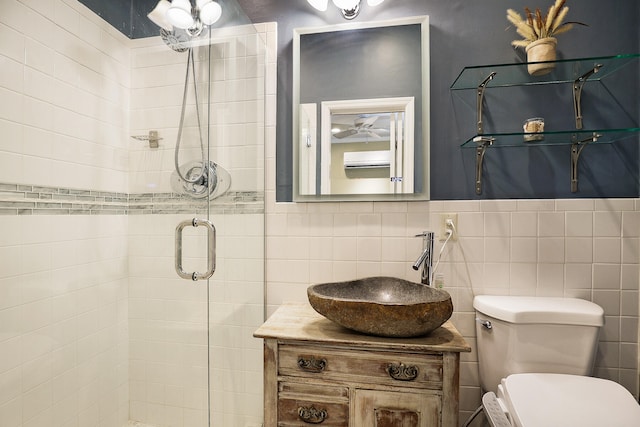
x=302, y=404
x=379, y=367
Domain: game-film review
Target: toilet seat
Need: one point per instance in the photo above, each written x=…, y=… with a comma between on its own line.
x=543, y=400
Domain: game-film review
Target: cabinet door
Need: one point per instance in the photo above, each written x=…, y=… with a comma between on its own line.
x=376, y=408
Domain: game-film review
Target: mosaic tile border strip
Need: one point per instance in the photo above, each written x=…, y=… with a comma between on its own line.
x=19, y=199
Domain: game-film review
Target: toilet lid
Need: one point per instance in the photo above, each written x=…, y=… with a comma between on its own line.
x=543, y=400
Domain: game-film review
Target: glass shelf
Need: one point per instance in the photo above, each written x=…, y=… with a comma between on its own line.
x=602, y=136
x=566, y=71
x=574, y=71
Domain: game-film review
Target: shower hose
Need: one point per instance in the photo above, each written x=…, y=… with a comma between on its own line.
x=200, y=179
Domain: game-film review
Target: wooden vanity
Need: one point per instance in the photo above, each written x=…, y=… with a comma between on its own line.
x=317, y=372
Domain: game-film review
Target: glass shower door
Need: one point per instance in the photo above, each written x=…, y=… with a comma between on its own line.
x=194, y=362
x=236, y=290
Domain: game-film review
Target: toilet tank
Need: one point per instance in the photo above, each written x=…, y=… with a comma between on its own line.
x=535, y=334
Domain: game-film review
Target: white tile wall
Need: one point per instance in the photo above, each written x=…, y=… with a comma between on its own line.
x=63, y=280
x=57, y=92
x=63, y=333
x=587, y=249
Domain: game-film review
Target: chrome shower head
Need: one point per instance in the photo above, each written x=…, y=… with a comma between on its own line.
x=176, y=39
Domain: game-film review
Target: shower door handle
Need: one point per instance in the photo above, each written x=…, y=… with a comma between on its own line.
x=211, y=252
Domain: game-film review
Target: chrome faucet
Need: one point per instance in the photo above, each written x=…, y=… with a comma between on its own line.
x=426, y=257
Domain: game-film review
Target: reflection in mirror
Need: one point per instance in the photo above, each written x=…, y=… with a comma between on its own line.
x=366, y=143
x=307, y=152
x=361, y=109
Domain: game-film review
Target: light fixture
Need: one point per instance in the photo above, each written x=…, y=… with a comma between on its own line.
x=349, y=8
x=184, y=15
x=321, y=5
x=179, y=14
x=159, y=15
x=210, y=11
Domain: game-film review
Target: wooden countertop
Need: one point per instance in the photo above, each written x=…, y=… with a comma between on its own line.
x=300, y=322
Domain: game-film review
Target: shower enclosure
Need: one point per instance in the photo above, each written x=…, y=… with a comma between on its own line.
x=96, y=327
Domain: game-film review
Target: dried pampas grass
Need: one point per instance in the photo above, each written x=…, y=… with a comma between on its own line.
x=534, y=26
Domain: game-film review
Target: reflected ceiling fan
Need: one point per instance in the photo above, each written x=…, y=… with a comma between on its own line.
x=362, y=125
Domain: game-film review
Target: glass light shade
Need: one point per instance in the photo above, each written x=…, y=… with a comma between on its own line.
x=159, y=15
x=321, y=5
x=210, y=11
x=346, y=4
x=374, y=2
x=179, y=14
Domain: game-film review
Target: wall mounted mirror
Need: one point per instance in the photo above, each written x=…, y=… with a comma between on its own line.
x=361, y=111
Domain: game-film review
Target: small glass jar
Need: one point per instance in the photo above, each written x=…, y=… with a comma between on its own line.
x=533, y=129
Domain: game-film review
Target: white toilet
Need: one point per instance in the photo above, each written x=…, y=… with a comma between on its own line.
x=536, y=354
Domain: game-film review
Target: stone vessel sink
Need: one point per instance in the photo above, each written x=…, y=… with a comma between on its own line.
x=383, y=306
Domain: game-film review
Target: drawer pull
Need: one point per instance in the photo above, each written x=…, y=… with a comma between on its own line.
x=312, y=415
x=312, y=364
x=402, y=372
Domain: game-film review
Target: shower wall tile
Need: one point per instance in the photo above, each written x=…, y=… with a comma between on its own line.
x=168, y=321
x=12, y=77
x=64, y=276
x=167, y=314
x=39, y=57
x=54, y=306
x=12, y=166
x=62, y=85
x=237, y=110
x=12, y=43
x=12, y=139
x=12, y=107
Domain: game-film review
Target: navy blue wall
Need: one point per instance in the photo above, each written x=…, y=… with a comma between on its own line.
x=466, y=33
x=127, y=16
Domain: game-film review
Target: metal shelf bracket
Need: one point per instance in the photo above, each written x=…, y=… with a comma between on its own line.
x=483, y=143
x=481, y=87
x=576, y=150
x=577, y=93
